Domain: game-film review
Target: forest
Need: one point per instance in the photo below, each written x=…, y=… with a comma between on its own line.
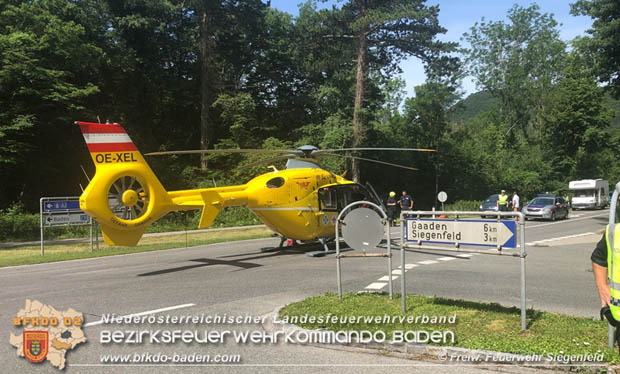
x=209, y=74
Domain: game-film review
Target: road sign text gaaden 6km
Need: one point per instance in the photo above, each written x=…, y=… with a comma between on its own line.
x=464, y=232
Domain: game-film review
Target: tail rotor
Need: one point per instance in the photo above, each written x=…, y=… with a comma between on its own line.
x=128, y=198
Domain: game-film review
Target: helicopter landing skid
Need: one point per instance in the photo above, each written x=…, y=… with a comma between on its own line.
x=279, y=247
x=294, y=244
x=290, y=243
x=326, y=250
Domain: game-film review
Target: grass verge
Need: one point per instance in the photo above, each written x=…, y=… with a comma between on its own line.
x=485, y=326
x=61, y=252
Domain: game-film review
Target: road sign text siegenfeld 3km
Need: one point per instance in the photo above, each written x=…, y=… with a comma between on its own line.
x=464, y=232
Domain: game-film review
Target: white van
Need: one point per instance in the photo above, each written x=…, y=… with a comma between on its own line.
x=589, y=193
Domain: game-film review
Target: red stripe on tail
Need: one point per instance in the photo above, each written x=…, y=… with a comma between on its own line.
x=100, y=128
x=111, y=147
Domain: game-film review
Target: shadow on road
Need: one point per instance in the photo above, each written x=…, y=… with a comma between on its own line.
x=203, y=262
x=241, y=263
x=290, y=250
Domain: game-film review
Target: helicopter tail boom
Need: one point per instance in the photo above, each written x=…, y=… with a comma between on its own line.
x=210, y=200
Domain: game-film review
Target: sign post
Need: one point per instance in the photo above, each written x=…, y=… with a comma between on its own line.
x=450, y=234
x=41, y=225
x=62, y=211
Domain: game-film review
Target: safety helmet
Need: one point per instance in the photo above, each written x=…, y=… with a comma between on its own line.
x=392, y=193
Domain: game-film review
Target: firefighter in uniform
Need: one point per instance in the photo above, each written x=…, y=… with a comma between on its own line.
x=392, y=207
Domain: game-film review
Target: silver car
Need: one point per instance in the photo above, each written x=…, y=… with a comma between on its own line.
x=549, y=207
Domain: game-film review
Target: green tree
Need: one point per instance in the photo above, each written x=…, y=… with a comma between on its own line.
x=149, y=81
x=575, y=120
x=380, y=34
x=48, y=71
x=427, y=115
x=231, y=37
x=517, y=62
x=605, y=40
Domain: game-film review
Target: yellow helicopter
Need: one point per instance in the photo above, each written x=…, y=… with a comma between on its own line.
x=298, y=203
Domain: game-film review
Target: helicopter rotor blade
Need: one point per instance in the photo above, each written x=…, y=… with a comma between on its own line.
x=368, y=159
x=234, y=150
x=264, y=161
x=374, y=149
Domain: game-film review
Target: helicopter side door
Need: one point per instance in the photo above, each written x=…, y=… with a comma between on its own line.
x=332, y=199
x=328, y=211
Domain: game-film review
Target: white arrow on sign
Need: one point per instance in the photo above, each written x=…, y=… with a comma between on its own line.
x=468, y=232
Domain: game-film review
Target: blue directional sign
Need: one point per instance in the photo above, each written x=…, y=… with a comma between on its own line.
x=61, y=211
x=464, y=232
x=56, y=205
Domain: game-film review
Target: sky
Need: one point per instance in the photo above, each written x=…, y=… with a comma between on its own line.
x=459, y=16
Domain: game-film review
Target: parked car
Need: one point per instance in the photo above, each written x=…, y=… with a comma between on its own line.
x=546, y=206
x=490, y=204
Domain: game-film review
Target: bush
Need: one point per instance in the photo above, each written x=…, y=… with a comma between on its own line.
x=18, y=225
x=464, y=206
x=15, y=224
x=238, y=216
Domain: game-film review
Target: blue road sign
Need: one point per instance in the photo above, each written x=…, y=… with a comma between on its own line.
x=55, y=205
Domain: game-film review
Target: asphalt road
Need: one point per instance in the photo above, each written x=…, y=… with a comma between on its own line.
x=237, y=279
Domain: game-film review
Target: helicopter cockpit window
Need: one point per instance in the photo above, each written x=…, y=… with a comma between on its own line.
x=327, y=197
x=275, y=182
x=348, y=195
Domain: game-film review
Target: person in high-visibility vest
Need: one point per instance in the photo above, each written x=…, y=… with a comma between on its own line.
x=601, y=258
x=604, y=268
x=502, y=202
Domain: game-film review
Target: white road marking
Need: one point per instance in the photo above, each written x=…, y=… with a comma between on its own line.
x=144, y=313
x=446, y=258
x=427, y=262
x=396, y=272
x=376, y=286
x=385, y=278
x=560, y=238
